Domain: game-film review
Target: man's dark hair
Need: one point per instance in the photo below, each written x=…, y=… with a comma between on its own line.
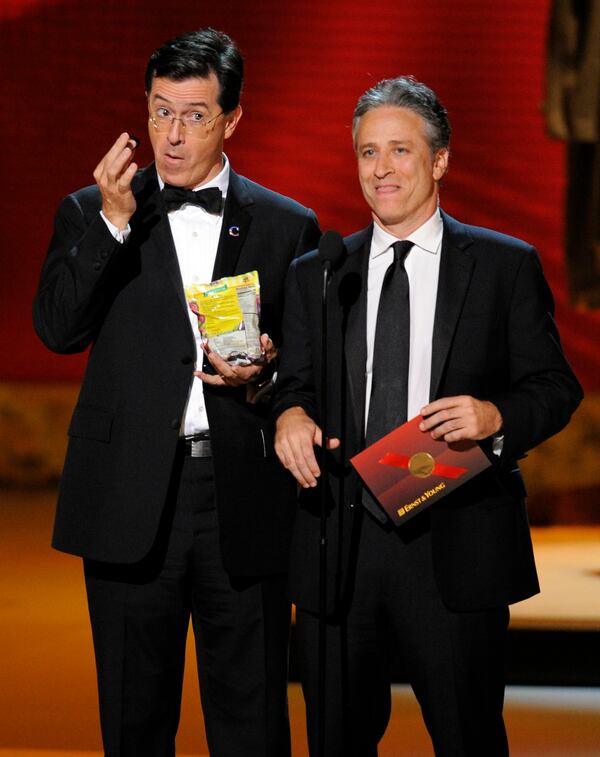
x=407, y=92
x=198, y=54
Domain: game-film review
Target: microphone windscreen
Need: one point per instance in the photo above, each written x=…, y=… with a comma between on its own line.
x=331, y=248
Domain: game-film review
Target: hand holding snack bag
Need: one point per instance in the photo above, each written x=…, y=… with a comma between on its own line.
x=228, y=313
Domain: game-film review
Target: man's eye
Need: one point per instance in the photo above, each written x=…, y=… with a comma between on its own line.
x=196, y=118
x=368, y=153
x=162, y=113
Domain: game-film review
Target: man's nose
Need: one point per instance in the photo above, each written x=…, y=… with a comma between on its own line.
x=176, y=133
x=383, y=166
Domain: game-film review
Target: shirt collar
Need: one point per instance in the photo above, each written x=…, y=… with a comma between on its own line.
x=221, y=180
x=427, y=237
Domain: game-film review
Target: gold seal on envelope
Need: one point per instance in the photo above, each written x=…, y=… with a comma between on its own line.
x=421, y=464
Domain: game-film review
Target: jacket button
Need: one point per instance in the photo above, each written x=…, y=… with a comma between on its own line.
x=97, y=266
x=175, y=423
x=187, y=359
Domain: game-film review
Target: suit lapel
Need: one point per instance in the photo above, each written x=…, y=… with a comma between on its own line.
x=352, y=294
x=154, y=238
x=236, y=222
x=456, y=267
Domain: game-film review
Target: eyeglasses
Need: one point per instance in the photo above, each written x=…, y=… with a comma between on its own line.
x=196, y=124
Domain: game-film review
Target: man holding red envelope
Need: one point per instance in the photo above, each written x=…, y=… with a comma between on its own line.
x=427, y=317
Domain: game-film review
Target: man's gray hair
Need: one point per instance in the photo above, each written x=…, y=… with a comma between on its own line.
x=407, y=92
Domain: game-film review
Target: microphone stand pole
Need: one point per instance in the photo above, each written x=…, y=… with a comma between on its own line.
x=322, y=655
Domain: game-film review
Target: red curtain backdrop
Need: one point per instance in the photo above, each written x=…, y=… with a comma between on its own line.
x=72, y=76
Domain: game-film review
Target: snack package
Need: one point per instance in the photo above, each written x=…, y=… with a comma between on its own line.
x=228, y=312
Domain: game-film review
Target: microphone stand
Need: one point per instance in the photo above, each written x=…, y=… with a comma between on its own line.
x=331, y=251
x=322, y=655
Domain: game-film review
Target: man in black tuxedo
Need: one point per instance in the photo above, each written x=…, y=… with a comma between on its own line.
x=471, y=346
x=171, y=490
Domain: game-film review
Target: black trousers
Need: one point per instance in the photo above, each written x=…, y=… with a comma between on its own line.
x=453, y=661
x=140, y=615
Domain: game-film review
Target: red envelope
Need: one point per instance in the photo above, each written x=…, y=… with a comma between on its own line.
x=407, y=471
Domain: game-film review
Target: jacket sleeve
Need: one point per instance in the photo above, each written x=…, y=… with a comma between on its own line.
x=543, y=390
x=76, y=279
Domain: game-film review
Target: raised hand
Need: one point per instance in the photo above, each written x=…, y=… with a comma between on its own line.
x=113, y=176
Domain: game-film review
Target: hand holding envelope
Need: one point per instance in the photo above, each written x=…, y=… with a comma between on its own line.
x=407, y=470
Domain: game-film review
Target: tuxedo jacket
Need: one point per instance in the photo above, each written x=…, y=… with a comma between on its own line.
x=126, y=303
x=494, y=338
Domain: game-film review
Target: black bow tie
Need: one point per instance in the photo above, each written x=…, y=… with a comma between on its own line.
x=210, y=199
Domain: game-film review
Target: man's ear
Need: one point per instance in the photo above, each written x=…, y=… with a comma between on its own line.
x=440, y=163
x=231, y=121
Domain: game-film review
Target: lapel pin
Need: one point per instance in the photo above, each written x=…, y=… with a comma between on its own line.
x=234, y=231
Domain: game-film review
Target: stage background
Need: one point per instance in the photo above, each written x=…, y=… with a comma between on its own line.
x=72, y=80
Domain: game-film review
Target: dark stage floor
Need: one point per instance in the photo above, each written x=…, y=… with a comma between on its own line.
x=48, y=695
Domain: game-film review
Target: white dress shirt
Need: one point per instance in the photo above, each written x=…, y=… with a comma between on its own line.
x=196, y=236
x=422, y=267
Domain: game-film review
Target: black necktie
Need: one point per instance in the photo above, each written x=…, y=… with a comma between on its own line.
x=210, y=199
x=389, y=388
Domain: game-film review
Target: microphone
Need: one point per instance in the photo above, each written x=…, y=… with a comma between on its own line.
x=331, y=249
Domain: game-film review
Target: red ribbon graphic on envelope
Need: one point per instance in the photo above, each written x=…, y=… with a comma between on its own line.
x=437, y=469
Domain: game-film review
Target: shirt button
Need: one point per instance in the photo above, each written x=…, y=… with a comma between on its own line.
x=194, y=234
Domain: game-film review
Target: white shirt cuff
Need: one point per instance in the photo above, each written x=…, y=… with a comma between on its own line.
x=121, y=235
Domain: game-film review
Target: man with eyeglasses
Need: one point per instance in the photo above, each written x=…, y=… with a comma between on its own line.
x=171, y=490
